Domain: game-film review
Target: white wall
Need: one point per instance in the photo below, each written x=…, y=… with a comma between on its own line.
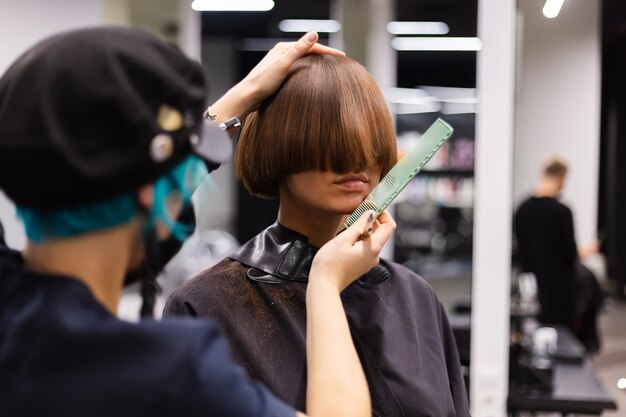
x=22, y=24
x=219, y=60
x=558, y=104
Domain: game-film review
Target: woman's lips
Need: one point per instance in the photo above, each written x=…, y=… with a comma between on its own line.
x=352, y=182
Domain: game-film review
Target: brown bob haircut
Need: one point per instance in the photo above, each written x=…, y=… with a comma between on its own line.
x=329, y=115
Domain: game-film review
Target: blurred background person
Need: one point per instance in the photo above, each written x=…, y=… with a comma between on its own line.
x=568, y=293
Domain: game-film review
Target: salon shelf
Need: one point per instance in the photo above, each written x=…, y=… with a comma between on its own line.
x=447, y=173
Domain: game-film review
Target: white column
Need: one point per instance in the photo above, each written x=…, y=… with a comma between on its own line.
x=493, y=208
x=354, y=16
x=381, y=57
x=190, y=35
x=364, y=37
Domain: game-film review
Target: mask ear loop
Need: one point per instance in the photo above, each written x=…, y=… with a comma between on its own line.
x=183, y=179
x=150, y=288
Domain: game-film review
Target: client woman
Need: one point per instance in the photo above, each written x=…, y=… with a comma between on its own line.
x=320, y=145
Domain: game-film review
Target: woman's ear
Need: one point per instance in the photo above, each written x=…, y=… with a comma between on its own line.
x=145, y=196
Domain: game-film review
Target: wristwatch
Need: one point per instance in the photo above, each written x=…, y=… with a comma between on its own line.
x=232, y=122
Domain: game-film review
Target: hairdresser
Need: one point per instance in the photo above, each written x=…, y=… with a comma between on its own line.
x=103, y=137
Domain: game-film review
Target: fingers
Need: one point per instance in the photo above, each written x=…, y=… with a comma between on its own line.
x=267, y=76
x=301, y=47
x=385, y=217
x=323, y=49
x=385, y=229
x=369, y=227
x=375, y=225
x=361, y=227
x=307, y=45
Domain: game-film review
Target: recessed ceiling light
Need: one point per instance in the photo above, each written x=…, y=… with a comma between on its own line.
x=306, y=25
x=552, y=8
x=436, y=44
x=232, y=5
x=417, y=28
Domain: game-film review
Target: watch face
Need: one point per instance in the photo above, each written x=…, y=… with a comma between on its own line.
x=232, y=122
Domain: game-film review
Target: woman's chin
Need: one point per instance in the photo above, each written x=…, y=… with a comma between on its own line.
x=345, y=209
x=344, y=205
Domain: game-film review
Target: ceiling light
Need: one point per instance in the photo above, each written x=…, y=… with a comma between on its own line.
x=436, y=44
x=232, y=5
x=306, y=25
x=417, y=28
x=552, y=8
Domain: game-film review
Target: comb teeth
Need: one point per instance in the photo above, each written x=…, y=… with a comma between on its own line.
x=386, y=186
x=367, y=204
x=375, y=200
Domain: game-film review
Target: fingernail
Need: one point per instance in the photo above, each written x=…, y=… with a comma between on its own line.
x=370, y=217
x=369, y=230
x=310, y=37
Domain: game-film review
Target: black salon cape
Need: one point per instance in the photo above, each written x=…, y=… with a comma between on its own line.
x=398, y=325
x=63, y=354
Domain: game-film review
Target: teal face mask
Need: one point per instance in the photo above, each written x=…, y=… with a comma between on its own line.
x=171, y=192
x=175, y=189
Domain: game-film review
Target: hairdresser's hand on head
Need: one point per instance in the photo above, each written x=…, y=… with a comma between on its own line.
x=348, y=256
x=266, y=77
x=269, y=74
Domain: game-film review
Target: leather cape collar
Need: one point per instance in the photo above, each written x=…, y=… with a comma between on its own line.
x=280, y=255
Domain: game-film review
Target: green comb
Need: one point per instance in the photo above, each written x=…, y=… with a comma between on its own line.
x=402, y=172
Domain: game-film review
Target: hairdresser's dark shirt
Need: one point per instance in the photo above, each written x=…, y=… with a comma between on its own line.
x=398, y=326
x=63, y=354
x=546, y=245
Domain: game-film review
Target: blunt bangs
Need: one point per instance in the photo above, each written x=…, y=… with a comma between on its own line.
x=329, y=115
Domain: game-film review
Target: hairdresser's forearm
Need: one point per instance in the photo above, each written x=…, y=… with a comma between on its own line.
x=336, y=384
